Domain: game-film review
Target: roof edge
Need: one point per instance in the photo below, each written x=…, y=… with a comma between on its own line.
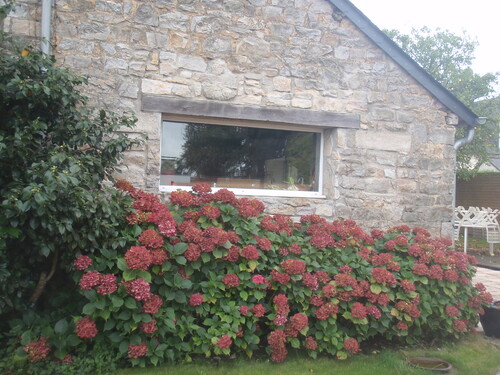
x=406, y=62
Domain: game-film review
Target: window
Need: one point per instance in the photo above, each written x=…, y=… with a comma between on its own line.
x=247, y=157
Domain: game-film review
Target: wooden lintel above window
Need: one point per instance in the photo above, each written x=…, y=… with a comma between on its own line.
x=209, y=109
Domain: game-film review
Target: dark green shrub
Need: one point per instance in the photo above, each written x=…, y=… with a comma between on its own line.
x=55, y=153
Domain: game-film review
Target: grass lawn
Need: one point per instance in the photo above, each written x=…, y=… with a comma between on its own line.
x=473, y=355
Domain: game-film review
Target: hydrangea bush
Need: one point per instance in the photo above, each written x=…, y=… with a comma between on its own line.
x=211, y=274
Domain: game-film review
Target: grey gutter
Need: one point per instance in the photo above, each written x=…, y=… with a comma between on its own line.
x=406, y=62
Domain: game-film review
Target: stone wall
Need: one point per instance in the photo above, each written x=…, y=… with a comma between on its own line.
x=397, y=168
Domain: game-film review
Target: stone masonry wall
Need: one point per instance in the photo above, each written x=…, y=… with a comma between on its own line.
x=397, y=168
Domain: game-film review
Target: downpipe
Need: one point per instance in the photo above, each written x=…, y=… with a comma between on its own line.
x=46, y=25
x=457, y=145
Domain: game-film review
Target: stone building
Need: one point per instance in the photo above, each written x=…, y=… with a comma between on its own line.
x=315, y=109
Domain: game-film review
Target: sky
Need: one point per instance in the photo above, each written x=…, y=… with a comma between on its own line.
x=480, y=19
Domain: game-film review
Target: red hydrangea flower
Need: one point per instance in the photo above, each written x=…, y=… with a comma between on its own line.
x=344, y=280
x=149, y=327
x=293, y=266
x=299, y=321
x=377, y=234
x=249, y=207
x=244, y=310
x=258, y=279
x=358, y=310
x=139, y=289
x=224, y=342
x=313, y=219
x=415, y=250
x=138, y=258
x=401, y=240
x=276, y=338
x=264, y=243
x=82, y=262
x=258, y=310
x=351, y=345
x=452, y=311
x=284, y=251
x=280, y=320
x=436, y=272
x=231, y=280
x=310, y=281
x=323, y=277
x=279, y=277
x=193, y=252
x=167, y=228
x=37, y=350
x=124, y=185
x=420, y=269
x=85, y=328
x=311, y=343
x=196, y=299
x=326, y=310
x=108, y=284
x=402, y=326
x=158, y=257
x=210, y=211
x=182, y=198
x=201, y=188
x=233, y=254
x=250, y=252
x=390, y=245
x=316, y=300
x=281, y=302
x=408, y=286
x=383, y=299
x=137, y=351
x=373, y=311
x=224, y=196
x=345, y=269
x=278, y=354
x=382, y=276
x=152, y=304
x=89, y=280
x=460, y=325
x=322, y=240
x=151, y=239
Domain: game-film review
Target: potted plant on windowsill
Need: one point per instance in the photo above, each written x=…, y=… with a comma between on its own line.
x=490, y=320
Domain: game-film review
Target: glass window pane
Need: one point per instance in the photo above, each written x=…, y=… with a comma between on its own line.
x=239, y=157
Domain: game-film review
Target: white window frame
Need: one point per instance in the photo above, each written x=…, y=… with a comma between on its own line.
x=251, y=123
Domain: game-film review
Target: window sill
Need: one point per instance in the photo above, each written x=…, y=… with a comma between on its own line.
x=255, y=192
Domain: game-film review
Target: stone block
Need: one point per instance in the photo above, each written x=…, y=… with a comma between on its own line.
x=146, y=14
x=111, y=63
x=174, y=21
x=151, y=86
x=216, y=91
x=441, y=135
x=128, y=90
x=325, y=210
x=301, y=103
x=109, y=6
x=218, y=45
x=192, y=63
x=282, y=84
x=382, y=140
x=341, y=53
x=93, y=30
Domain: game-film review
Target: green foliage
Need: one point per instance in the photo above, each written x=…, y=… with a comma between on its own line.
x=448, y=57
x=325, y=287
x=55, y=151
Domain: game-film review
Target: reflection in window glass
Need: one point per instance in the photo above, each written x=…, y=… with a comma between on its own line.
x=239, y=157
